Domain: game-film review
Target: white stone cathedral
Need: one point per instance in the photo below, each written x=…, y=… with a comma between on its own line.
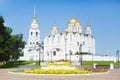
x=60, y=45
x=32, y=48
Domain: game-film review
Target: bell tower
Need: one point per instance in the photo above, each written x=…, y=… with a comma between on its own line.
x=34, y=32
x=31, y=50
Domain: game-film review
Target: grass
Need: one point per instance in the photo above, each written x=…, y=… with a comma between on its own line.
x=13, y=64
x=97, y=62
x=90, y=63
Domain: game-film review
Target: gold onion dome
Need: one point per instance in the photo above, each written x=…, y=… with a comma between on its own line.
x=34, y=21
x=54, y=27
x=73, y=21
x=77, y=24
x=88, y=27
x=66, y=30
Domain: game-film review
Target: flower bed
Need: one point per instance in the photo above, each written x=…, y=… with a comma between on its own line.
x=63, y=67
x=59, y=63
x=96, y=69
x=57, y=71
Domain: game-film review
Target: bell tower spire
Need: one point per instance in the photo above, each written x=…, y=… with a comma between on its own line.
x=34, y=17
x=34, y=11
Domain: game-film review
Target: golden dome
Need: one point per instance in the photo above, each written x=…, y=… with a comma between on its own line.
x=54, y=27
x=34, y=21
x=66, y=30
x=88, y=27
x=77, y=24
x=73, y=21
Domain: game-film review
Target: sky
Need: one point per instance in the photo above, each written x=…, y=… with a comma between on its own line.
x=102, y=15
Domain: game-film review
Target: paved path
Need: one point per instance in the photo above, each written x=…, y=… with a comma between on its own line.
x=112, y=75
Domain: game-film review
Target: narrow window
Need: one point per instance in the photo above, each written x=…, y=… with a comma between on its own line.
x=54, y=53
x=37, y=43
x=30, y=43
x=31, y=33
x=36, y=34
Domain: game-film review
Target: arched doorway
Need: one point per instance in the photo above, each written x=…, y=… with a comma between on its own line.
x=54, y=53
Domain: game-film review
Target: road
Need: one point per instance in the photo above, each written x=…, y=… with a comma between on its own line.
x=111, y=75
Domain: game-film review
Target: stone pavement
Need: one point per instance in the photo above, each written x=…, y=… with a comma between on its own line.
x=111, y=75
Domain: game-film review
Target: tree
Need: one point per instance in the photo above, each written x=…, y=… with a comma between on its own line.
x=4, y=36
x=10, y=45
x=17, y=46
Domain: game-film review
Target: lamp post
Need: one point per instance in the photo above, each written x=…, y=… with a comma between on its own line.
x=39, y=54
x=80, y=56
x=42, y=52
x=70, y=55
x=65, y=49
x=80, y=52
x=117, y=56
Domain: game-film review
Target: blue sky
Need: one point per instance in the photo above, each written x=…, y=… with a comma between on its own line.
x=102, y=15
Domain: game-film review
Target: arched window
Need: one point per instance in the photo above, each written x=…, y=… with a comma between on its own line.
x=37, y=43
x=36, y=34
x=30, y=43
x=54, y=53
x=31, y=33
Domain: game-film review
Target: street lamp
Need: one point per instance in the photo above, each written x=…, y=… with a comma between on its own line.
x=39, y=53
x=80, y=56
x=65, y=49
x=42, y=46
x=117, y=56
x=70, y=55
x=80, y=52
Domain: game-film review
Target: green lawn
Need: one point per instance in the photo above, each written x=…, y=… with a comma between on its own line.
x=84, y=63
x=90, y=63
x=13, y=64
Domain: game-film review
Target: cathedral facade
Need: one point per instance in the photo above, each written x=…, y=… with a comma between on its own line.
x=69, y=41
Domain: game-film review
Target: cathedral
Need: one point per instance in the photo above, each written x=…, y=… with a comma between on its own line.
x=59, y=45
x=69, y=41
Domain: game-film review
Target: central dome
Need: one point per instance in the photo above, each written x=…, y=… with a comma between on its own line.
x=54, y=27
x=73, y=21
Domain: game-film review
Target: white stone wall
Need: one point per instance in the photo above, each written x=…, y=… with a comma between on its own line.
x=76, y=58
